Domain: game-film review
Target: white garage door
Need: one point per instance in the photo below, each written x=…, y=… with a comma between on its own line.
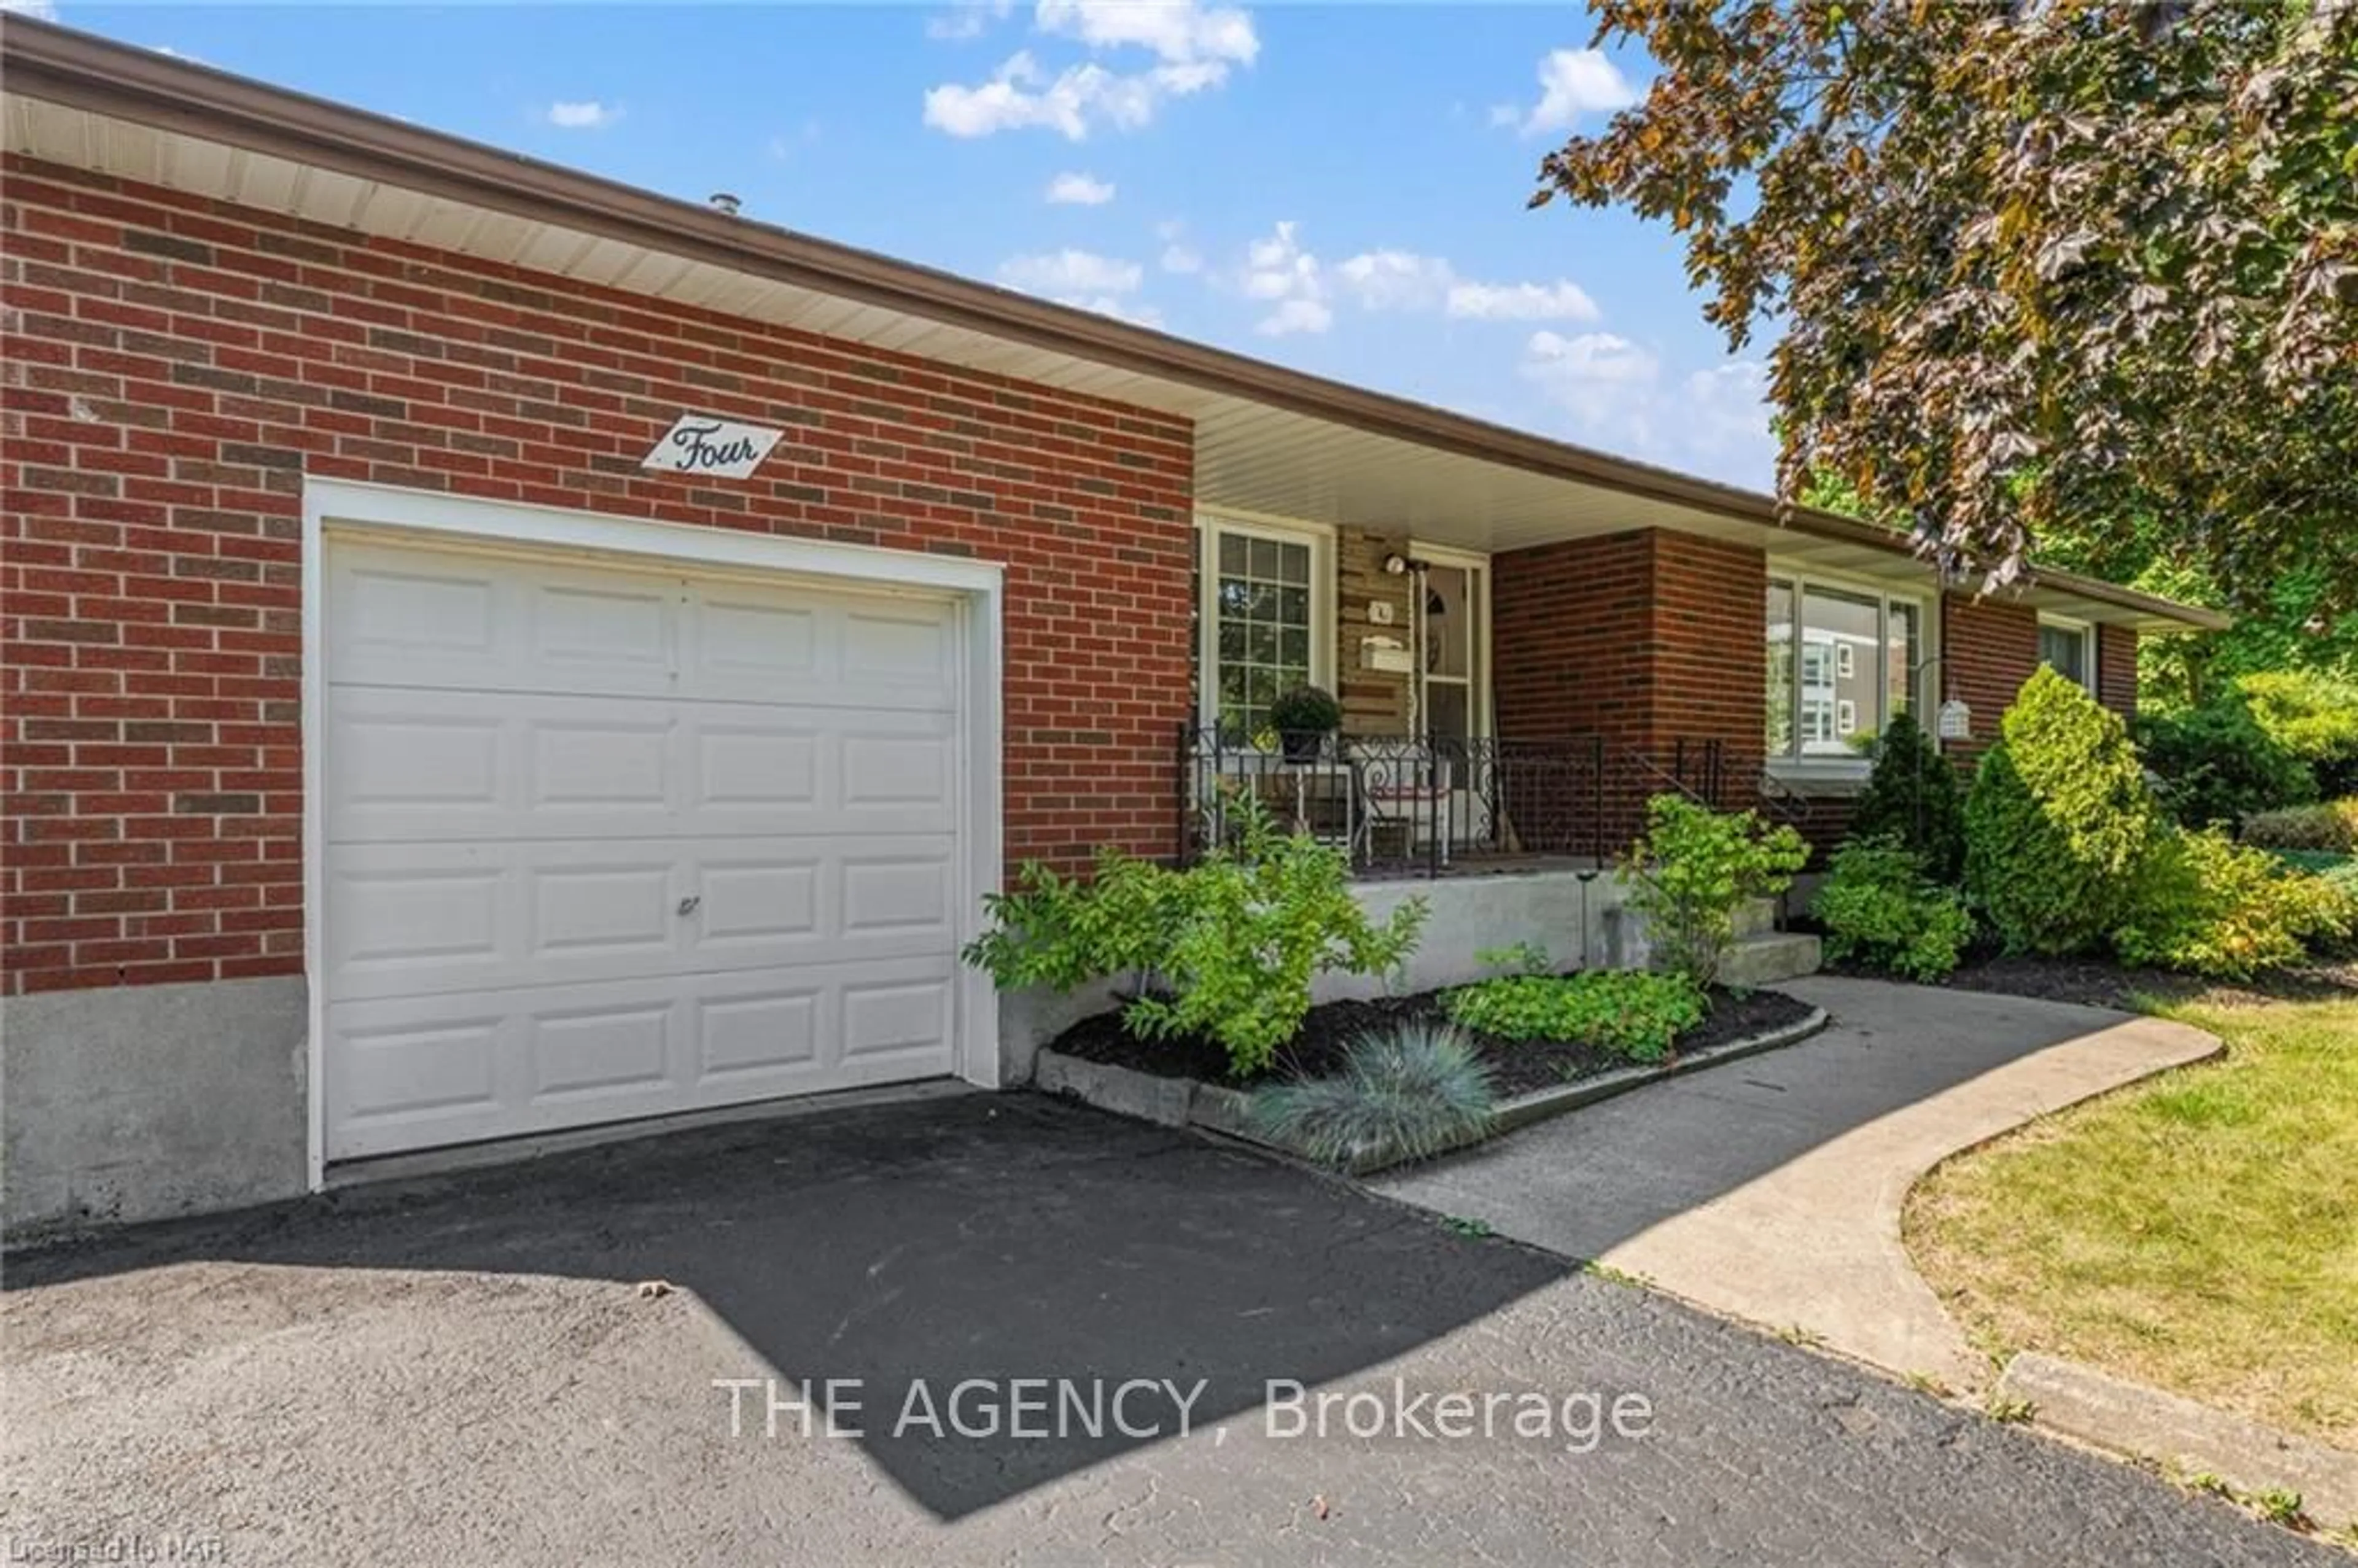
x=607, y=843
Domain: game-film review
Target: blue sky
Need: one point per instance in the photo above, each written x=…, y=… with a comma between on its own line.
x=1339, y=189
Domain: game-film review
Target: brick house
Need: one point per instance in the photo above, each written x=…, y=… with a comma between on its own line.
x=422, y=731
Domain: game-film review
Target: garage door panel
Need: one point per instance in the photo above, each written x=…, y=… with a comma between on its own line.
x=412, y=919
x=604, y=843
x=420, y=1071
x=404, y=766
x=408, y=618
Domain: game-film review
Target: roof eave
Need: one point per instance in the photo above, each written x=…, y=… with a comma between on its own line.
x=84, y=71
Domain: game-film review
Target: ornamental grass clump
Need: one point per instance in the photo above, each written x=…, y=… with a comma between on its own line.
x=1407, y=1092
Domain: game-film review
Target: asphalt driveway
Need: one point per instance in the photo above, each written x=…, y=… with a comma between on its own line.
x=467, y=1370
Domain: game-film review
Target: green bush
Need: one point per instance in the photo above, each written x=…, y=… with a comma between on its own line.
x=2210, y=906
x=1912, y=799
x=1880, y=909
x=1413, y=1090
x=2216, y=764
x=1630, y=1013
x=2312, y=715
x=2057, y=821
x=2330, y=824
x=1226, y=948
x=1693, y=868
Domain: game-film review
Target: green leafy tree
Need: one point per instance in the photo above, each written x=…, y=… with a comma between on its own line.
x=2076, y=262
x=2058, y=822
x=1911, y=799
x=2216, y=764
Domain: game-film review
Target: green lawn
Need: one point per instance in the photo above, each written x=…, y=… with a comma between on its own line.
x=2198, y=1232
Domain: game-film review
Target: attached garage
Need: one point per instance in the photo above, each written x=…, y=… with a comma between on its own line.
x=607, y=836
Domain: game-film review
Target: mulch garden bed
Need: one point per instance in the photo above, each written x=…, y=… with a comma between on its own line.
x=1517, y=1066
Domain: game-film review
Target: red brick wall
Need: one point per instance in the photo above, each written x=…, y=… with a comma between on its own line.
x=2116, y=669
x=1571, y=628
x=1644, y=638
x=1988, y=650
x=175, y=367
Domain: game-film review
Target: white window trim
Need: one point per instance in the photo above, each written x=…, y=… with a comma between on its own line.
x=343, y=507
x=1852, y=770
x=1209, y=526
x=2086, y=631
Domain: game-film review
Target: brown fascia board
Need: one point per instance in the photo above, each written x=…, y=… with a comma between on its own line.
x=80, y=70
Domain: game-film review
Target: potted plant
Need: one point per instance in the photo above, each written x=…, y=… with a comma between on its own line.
x=1302, y=718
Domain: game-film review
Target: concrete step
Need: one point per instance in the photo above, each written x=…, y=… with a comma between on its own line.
x=1766, y=957
x=1754, y=916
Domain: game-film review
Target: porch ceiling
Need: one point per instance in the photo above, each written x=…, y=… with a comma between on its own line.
x=1268, y=440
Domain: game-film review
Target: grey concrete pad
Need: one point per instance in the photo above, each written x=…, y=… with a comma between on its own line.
x=1771, y=1190
x=464, y=1370
x=2131, y=1419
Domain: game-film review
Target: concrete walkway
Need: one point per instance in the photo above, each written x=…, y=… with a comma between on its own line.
x=1770, y=1189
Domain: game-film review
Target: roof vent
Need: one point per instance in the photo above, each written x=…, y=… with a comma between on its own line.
x=721, y=202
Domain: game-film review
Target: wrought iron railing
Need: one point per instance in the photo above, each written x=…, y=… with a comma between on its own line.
x=1405, y=804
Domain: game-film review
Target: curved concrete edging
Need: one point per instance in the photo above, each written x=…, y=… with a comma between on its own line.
x=2143, y=1422
x=1214, y=1108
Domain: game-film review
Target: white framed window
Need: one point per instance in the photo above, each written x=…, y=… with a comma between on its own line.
x=1266, y=617
x=2069, y=647
x=1843, y=658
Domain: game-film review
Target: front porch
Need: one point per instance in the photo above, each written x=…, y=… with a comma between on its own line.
x=1434, y=805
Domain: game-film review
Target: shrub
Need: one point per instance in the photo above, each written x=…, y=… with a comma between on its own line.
x=2210, y=906
x=2216, y=764
x=2330, y=824
x=1415, y=1089
x=2312, y=715
x=1693, y=868
x=1226, y=948
x=1626, y=1011
x=2057, y=821
x=1305, y=711
x=1912, y=798
x=1880, y=909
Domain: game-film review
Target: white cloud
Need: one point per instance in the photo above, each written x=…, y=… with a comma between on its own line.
x=1572, y=82
x=966, y=19
x=39, y=10
x=1071, y=272
x=1405, y=281
x=1080, y=191
x=1288, y=279
x=1194, y=47
x=1084, y=280
x=1396, y=280
x=1559, y=301
x=1613, y=393
x=1180, y=32
x=1181, y=258
x=585, y=114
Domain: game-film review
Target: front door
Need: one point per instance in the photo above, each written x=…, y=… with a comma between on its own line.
x=1450, y=692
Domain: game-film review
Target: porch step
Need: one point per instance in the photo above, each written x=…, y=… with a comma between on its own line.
x=1766, y=957
x=1754, y=916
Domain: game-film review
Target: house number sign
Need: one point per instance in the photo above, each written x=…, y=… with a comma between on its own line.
x=721, y=447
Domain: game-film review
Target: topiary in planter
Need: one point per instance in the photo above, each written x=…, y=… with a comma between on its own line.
x=1303, y=717
x=2059, y=821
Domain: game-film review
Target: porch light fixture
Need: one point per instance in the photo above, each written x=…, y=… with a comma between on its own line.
x=1395, y=564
